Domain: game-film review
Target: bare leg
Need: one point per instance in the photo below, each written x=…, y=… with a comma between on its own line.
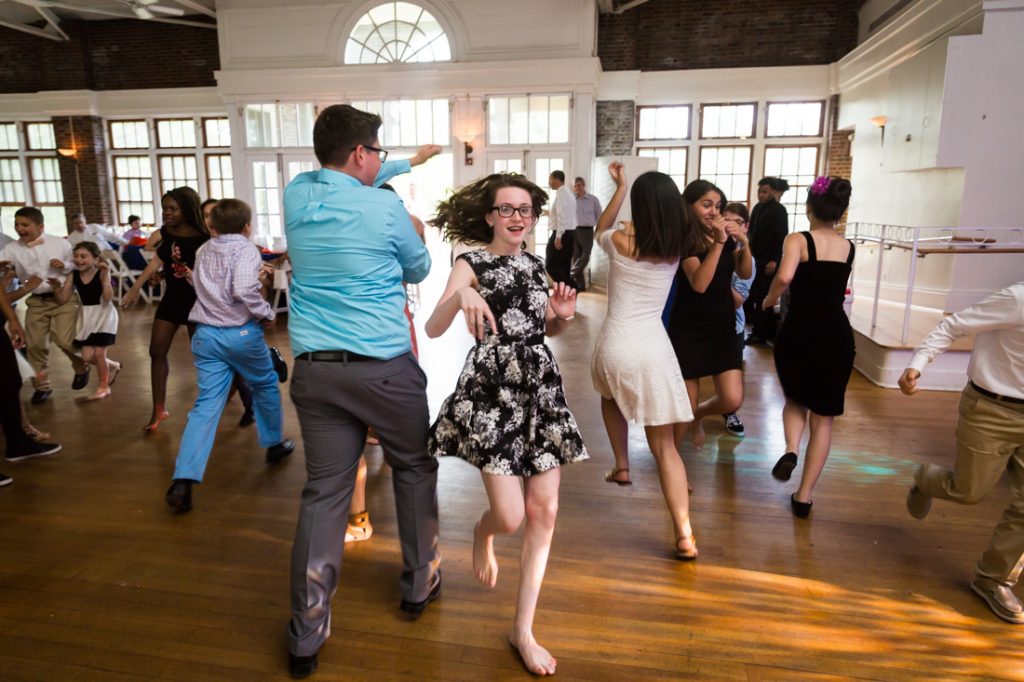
x=794, y=419
x=159, y=345
x=504, y=516
x=99, y=358
x=618, y=435
x=818, y=446
x=358, y=505
x=728, y=395
x=672, y=473
x=696, y=429
x=541, y=512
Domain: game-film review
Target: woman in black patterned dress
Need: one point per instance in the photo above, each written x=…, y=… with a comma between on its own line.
x=508, y=415
x=182, y=234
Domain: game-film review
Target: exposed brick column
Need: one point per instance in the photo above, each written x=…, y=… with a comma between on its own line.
x=84, y=178
x=615, y=127
x=839, y=162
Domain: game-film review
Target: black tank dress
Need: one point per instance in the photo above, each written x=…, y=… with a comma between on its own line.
x=814, y=348
x=177, y=253
x=702, y=327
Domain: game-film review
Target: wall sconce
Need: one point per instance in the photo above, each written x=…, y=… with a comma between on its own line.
x=468, y=124
x=68, y=152
x=879, y=122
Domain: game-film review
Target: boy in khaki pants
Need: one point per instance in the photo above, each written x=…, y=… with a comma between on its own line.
x=36, y=257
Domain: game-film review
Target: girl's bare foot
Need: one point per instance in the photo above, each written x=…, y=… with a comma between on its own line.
x=686, y=548
x=100, y=394
x=485, y=565
x=535, y=657
x=114, y=368
x=36, y=435
x=154, y=423
x=697, y=434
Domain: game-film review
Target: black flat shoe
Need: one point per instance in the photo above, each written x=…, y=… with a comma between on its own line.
x=783, y=469
x=800, y=509
x=301, y=666
x=179, y=496
x=414, y=609
x=275, y=453
x=248, y=418
x=280, y=366
x=40, y=397
x=80, y=381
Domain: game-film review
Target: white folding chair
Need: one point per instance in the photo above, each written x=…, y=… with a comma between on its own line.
x=280, y=287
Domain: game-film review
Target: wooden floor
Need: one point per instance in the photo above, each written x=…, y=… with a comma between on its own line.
x=98, y=581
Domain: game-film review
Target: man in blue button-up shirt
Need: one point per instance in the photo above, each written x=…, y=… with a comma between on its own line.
x=351, y=247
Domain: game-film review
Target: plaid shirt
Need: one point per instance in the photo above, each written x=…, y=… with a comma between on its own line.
x=226, y=279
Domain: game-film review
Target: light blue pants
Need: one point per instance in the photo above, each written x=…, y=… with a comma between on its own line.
x=219, y=353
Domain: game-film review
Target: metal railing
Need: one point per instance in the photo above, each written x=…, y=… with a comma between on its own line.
x=924, y=241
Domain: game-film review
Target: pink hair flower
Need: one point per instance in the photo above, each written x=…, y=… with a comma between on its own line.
x=821, y=185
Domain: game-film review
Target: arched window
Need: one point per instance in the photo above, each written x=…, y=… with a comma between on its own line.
x=397, y=32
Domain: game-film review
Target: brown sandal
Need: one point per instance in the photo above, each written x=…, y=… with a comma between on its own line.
x=612, y=473
x=359, y=527
x=690, y=554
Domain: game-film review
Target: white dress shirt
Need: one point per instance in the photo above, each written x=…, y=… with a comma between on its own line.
x=997, y=361
x=562, y=216
x=96, y=234
x=35, y=260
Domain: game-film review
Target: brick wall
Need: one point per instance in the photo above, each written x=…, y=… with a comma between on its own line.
x=84, y=178
x=662, y=35
x=121, y=54
x=615, y=127
x=839, y=162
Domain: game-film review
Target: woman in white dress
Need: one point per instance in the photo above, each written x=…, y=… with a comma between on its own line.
x=634, y=367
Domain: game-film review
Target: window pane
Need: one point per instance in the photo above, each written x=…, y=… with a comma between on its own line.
x=178, y=171
x=40, y=136
x=267, y=212
x=9, y=136
x=219, y=174
x=261, y=125
x=218, y=132
x=129, y=135
x=559, y=126
x=397, y=32
x=795, y=119
x=727, y=120
x=176, y=133
x=671, y=161
x=798, y=165
x=12, y=191
x=664, y=123
x=133, y=188
x=497, y=120
x=518, y=123
x=538, y=119
x=729, y=169
x=46, y=187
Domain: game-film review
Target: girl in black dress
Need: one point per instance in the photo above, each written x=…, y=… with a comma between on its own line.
x=814, y=348
x=508, y=415
x=183, y=232
x=702, y=325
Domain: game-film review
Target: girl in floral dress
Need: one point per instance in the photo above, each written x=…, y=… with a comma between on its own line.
x=508, y=415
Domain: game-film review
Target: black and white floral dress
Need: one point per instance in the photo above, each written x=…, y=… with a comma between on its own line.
x=508, y=414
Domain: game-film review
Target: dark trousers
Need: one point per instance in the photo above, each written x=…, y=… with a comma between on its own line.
x=558, y=262
x=764, y=323
x=10, y=387
x=335, y=402
x=582, y=245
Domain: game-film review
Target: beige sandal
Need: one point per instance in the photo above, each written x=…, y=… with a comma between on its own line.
x=359, y=527
x=612, y=473
x=687, y=554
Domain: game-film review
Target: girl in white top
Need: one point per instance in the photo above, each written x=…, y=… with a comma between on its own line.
x=634, y=367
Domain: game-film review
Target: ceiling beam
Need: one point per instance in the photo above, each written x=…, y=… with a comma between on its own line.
x=627, y=6
x=32, y=30
x=52, y=22
x=123, y=15
x=202, y=9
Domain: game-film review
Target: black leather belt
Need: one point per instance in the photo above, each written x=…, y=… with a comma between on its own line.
x=995, y=396
x=584, y=227
x=333, y=356
x=49, y=295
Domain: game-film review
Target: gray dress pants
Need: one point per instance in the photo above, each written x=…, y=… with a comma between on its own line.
x=336, y=402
